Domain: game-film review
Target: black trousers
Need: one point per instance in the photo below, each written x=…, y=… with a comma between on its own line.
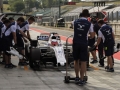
x=100, y=52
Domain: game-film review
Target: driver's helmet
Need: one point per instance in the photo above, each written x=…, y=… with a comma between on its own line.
x=54, y=41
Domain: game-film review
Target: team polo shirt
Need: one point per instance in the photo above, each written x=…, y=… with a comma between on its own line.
x=25, y=26
x=82, y=27
x=12, y=28
x=103, y=27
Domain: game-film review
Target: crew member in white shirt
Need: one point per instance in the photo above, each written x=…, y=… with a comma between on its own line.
x=8, y=35
x=24, y=28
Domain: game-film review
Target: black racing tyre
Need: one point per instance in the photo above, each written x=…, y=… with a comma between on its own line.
x=34, y=56
x=26, y=51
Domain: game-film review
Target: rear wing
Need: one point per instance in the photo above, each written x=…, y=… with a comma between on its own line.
x=44, y=37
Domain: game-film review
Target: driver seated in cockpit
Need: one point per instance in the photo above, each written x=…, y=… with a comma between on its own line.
x=54, y=41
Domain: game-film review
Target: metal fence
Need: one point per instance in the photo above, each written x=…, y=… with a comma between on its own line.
x=110, y=17
x=113, y=16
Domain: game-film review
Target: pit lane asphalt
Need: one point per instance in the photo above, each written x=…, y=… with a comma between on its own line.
x=23, y=78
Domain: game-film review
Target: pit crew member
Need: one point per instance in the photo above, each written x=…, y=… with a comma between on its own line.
x=91, y=43
x=24, y=28
x=80, y=45
x=107, y=35
x=8, y=35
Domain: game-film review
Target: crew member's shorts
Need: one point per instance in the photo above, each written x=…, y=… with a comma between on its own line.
x=1, y=45
x=7, y=43
x=80, y=51
x=20, y=42
x=109, y=49
x=91, y=42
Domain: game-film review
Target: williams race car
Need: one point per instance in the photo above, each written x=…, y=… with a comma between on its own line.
x=48, y=49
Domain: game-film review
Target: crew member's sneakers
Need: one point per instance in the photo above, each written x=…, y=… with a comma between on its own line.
x=8, y=66
x=94, y=61
x=77, y=79
x=107, y=67
x=14, y=66
x=81, y=82
x=110, y=70
x=100, y=65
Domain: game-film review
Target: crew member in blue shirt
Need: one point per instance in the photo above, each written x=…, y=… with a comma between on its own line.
x=107, y=35
x=82, y=27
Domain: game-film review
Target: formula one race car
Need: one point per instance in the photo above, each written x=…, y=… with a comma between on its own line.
x=48, y=48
